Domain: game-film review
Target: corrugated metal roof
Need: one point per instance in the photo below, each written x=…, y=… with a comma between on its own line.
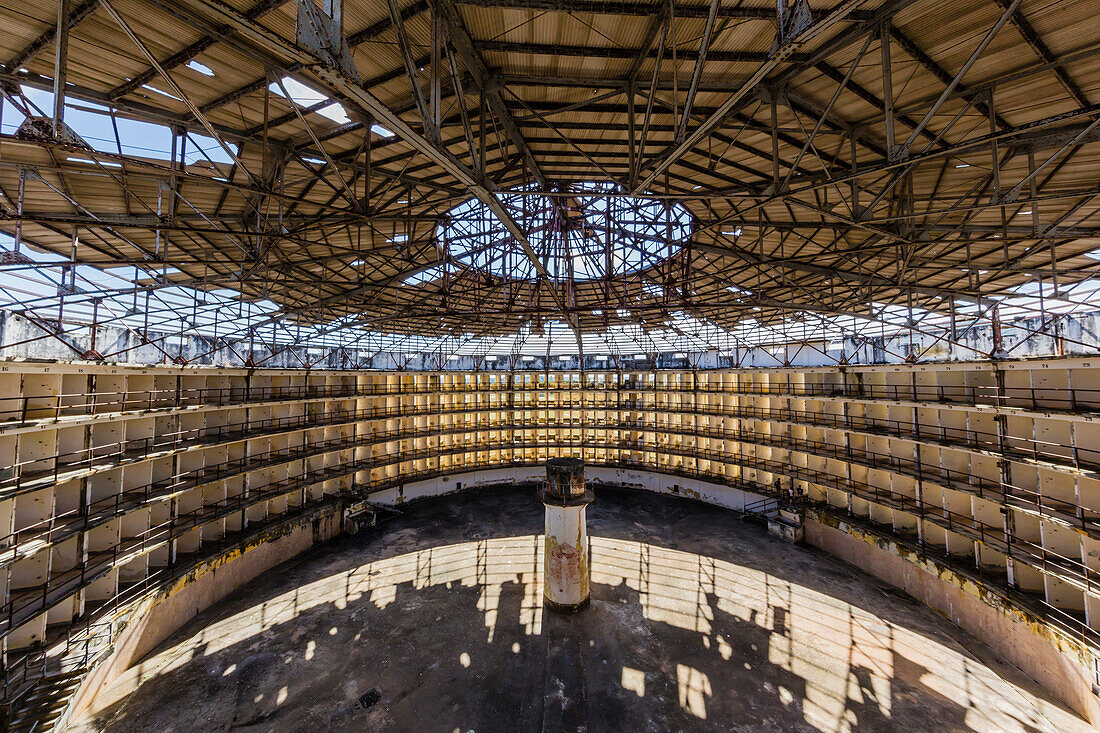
x=562, y=77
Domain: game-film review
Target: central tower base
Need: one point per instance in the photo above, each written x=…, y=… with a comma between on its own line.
x=567, y=572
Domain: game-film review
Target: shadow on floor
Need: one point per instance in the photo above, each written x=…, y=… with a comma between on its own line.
x=434, y=622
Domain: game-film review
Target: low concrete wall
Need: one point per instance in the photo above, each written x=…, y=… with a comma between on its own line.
x=711, y=493
x=1055, y=662
x=688, y=488
x=158, y=616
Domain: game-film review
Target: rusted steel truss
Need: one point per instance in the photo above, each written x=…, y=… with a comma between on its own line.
x=448, y=196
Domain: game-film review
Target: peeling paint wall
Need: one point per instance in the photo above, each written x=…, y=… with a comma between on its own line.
x=157, y=616
x=1054, y=661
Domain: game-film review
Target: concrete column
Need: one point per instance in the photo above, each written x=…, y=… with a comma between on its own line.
x=566, y=560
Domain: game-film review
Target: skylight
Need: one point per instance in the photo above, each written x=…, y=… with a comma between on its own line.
x=571, y=234
x=432, y=273
x=140, y=139
x=85, y=161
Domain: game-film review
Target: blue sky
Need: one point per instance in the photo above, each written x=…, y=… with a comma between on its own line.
x=93, y=123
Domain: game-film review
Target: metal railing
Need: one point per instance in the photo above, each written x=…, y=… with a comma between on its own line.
x=89, y=638
x=966, y=525
x=23, y=409
x=58, y=526
x=36, y=473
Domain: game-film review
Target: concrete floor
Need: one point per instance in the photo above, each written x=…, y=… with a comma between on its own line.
x=433, y=622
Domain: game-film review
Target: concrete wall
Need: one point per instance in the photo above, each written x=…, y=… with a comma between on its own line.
x=1033, y=646
x=723, y=496
x=158, y=616
x=710, y=493
x=1023, y=337
x=1050, y=659
x=452, y=483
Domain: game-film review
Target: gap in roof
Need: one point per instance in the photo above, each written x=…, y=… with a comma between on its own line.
x=585, y=236
x=432, y=273
x=160, y=91
x=306, y=96
x=86, y=161
x=201, y=68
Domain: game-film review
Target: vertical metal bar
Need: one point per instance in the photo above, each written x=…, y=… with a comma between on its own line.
x=887, y=90
x=704, y=46
x=775, y=140
x=60, y=64
x=995, y=152
x=853, y=138
x=19, y=209
x=954, y=322
x=481, y=132
x=436, y=91
x=633, y=154
x=95, y=324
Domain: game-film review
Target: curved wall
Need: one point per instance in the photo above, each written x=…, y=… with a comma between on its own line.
x=984, y=475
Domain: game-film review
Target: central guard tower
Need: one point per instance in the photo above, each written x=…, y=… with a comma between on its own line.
x=566, y=560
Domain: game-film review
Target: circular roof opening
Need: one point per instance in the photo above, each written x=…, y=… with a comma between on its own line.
x=582, y=233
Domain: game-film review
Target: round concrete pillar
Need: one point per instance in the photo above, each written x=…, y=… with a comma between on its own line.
x=566, y=567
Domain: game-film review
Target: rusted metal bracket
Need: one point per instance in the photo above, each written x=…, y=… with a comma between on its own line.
x=322, y=33
x=41, y=129
x=792, y=17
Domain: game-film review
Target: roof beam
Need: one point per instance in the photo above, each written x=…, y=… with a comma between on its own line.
x=210, y=129
x=615, y=52
x=341, y=85
x=1036, y=42
x=609, y=7
x=783, y=51
x=917, y=53
x=488, y=83
x=355, y=39
x=76, y=16
x=829, y=272
x=946, y=93
x=185, y=55
x=636, y=9
x=700, y=61
x=411, y=66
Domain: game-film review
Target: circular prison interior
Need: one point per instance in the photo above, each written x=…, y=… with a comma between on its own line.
x=434, y=620
x=328, y=329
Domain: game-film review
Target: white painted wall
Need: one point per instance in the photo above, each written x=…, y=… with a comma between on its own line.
x=710, y=493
